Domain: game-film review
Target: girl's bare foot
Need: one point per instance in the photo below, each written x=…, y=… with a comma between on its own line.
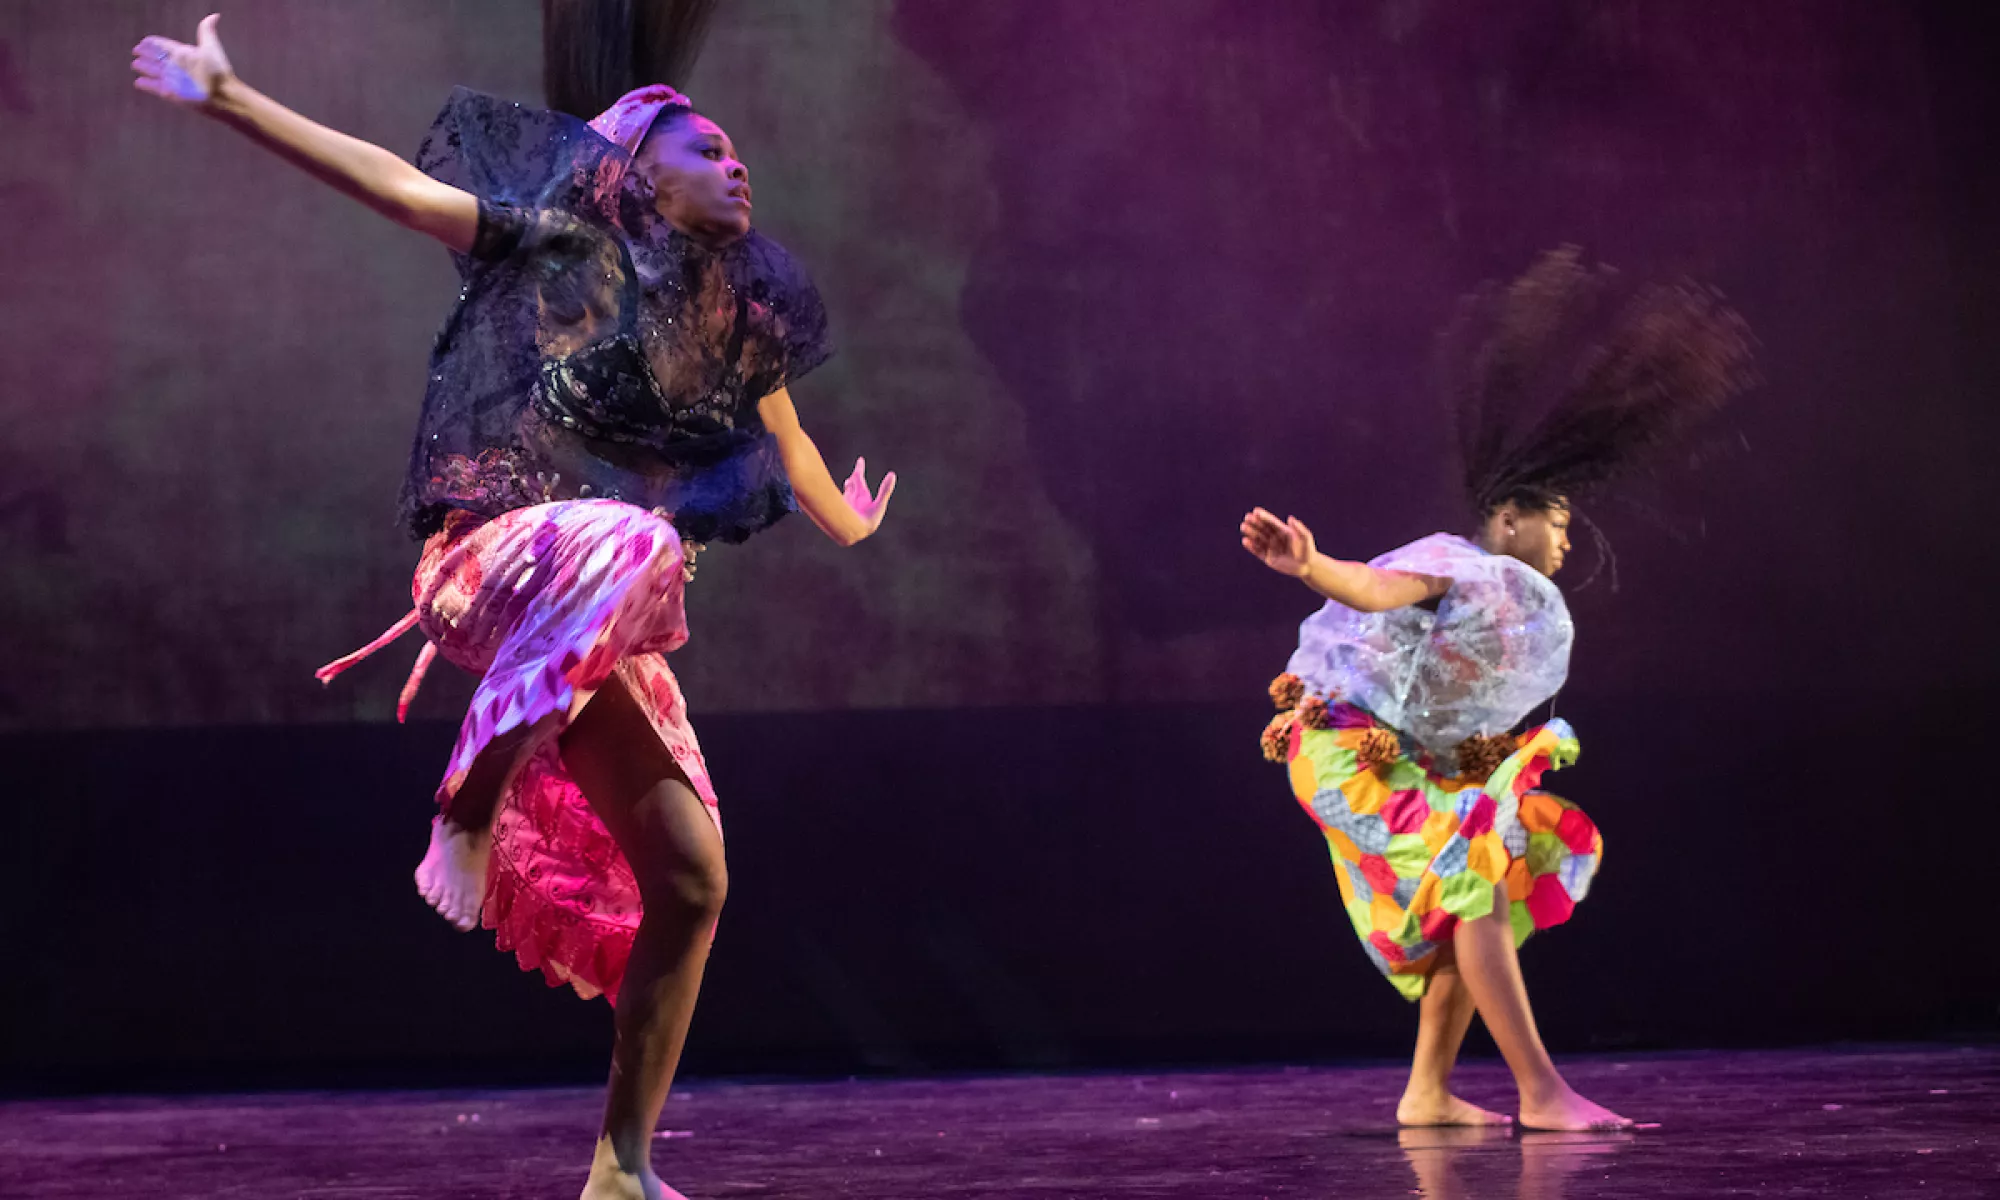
x=452, y=877
x=1566, y=1110
x=609, y=1181
x=1421, y=1108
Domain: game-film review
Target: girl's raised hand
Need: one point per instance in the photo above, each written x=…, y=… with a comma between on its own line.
x=1284, y=546
x=182, y=74
x=867, y=505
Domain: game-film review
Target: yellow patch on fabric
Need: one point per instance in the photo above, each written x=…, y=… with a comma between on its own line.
x=1437, y=830
x=1487, y=857
x=1366, y=794
x=1384, y=914
x=1428, y=893
x=1305, y=780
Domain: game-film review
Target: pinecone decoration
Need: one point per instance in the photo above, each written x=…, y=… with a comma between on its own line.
x=1479, y=755
x=1379, y=747
x=1314, y=714
x=1277, y=739
x=1286, y=691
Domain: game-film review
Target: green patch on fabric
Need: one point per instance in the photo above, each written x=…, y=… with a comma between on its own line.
x=1407, y=855
x=1333, y=764
x=1403, y=775
x=1412, y=986
x=1362, y=918
x=1546, y=852
x=1409, y=933
x=1466, y=896
x=1524, y=924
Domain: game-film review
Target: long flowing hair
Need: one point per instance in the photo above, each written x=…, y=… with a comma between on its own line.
x=594, y=51
x=1570, y=377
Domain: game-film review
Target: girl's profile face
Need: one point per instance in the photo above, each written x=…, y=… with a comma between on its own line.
x=699, y=184
x=1536, y=536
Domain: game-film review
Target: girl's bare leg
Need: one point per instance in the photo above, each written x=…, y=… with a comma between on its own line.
x=1443, y=1016
x=1492, y=972
x=452, y=876
x=646, y=802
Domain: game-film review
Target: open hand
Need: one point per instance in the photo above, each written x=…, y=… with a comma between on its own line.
x=869, y=506
x=1284, y=546
x=182, y=74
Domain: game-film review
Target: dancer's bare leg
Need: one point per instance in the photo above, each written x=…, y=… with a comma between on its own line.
x=646, y=802
x=1492, y=971
x=452, y=876
x=1443, y=1016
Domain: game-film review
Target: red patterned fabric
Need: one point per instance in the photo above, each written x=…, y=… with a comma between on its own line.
x=546, y=604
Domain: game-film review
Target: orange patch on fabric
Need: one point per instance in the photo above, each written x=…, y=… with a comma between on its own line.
x=1541, y=812
x=1520, y=881
x=1343, y=845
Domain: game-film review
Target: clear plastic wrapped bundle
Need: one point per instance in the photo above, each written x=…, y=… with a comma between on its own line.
x=1496, y=647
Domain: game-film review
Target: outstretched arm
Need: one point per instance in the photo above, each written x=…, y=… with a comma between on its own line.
x=846, y=514
x=199, y=77
x=1287, y=548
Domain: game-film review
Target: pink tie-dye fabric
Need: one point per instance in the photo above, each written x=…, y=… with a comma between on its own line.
x=547, y=603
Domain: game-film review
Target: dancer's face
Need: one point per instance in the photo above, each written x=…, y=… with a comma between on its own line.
x=1536, y=536
x=699, y=185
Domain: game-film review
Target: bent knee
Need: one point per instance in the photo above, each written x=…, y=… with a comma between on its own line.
x=698, y=885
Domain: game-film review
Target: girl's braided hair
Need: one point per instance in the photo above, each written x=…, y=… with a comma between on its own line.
x=1569, y=377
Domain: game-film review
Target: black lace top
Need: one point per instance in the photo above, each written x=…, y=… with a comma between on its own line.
x=595, y=350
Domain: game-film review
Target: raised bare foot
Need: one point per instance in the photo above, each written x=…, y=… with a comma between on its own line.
x=609, y=1181
x=1443, y=1108
x=1570, y=1112
x=452, y=877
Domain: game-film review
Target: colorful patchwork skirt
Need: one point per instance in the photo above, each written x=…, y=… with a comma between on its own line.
x=1417, y=850
x=546, y=604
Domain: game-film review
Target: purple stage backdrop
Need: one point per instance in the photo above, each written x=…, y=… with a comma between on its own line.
x=1102, y=275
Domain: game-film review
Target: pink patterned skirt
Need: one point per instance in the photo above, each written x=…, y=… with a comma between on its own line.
x=546, y=604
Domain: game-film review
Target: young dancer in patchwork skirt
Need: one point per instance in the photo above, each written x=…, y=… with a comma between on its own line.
x=1397, y=712
x=611, y=390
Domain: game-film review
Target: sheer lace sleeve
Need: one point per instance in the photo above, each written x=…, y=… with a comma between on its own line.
x=788, y=318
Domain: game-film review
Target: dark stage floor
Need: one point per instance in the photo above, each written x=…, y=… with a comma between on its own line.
x=1839, y=1123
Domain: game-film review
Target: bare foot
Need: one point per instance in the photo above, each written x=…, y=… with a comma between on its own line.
x=452, y=877
x=1443, y=1108
x=609, y=1181
x=1570, y=1112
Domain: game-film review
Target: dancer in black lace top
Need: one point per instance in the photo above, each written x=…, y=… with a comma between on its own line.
x=612, y=387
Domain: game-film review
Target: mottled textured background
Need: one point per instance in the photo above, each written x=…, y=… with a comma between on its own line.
x=1102, y=275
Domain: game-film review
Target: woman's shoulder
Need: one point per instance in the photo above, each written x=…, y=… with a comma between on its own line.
x=1434, y=554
